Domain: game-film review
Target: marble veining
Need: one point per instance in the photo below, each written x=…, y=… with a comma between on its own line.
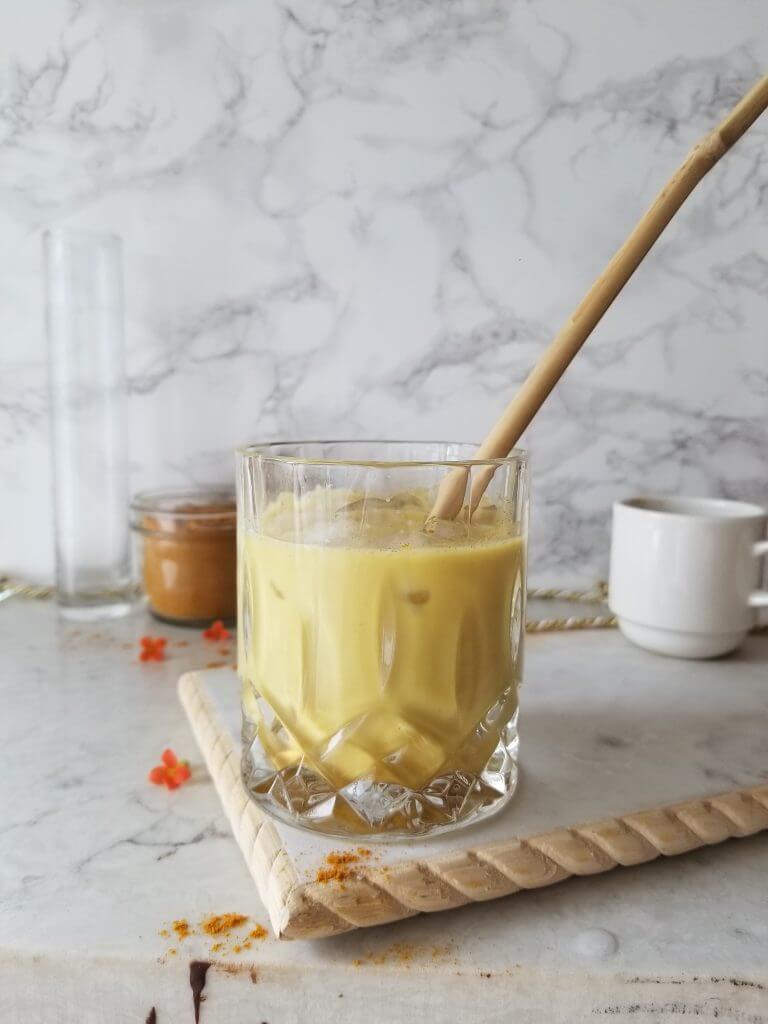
x=363, y=218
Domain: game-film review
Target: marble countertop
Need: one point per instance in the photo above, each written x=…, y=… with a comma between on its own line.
x=95, y=864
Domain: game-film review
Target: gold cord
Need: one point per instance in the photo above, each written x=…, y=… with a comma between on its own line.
x=10, y=587
x=560, y=625
x=596, y=594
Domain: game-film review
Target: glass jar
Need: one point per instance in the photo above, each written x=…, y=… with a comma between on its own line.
x=187, y=554
x=380, y=649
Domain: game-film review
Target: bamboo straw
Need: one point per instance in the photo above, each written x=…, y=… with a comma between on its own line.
x=561, y=350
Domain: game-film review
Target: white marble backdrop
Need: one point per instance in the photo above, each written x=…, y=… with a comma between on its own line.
x=362, y=218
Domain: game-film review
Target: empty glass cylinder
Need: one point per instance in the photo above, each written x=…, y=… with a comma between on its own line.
x=89, y=438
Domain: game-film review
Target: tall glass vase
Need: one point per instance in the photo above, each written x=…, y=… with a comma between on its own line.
x=89, y=437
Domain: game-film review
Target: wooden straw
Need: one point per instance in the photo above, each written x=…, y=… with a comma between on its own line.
x=561, y=350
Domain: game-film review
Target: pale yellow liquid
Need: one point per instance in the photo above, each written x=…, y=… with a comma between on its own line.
x=381, y=659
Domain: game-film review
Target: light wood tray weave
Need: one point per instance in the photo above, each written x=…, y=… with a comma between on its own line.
x=301, y=907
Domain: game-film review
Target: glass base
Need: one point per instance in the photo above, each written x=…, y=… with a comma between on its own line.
x=94, y=612
x=299, y=796
x=228, y=621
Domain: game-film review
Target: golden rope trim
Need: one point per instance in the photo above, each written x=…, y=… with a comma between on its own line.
x=10, y=587
x=596, y=594
x=561, y=625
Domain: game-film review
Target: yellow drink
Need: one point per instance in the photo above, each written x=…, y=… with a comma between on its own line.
x=385, y=652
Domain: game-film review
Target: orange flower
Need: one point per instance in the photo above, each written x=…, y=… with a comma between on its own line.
x=172, y=773
x=217, y=631
x=152, y=648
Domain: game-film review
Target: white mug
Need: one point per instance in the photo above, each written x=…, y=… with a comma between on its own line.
x=685, y=573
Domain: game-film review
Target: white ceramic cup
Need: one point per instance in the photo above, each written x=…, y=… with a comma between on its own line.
x=685, y=573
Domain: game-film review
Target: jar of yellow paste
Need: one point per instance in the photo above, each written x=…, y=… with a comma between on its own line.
x=187, y=553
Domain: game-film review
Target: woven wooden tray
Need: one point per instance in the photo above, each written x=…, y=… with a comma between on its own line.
x=621, y=750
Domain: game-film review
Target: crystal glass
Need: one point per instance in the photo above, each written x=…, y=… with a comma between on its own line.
x=380, y=649
x=89, y=437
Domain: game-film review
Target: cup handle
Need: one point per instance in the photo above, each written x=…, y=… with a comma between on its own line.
x=759, y=598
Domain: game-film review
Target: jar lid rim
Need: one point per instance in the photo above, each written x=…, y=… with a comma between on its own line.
x=210, y=504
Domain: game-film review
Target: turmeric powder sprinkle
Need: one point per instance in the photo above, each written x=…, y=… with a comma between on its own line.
x=340, y=865
x=403, y=953
x=182, y=929
x=222, y=924
x=342, y=858
x=220, y=927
